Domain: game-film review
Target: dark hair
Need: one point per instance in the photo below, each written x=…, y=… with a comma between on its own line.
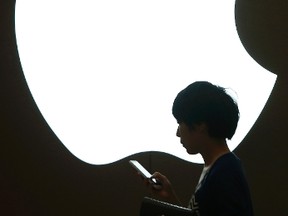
x=203, y=102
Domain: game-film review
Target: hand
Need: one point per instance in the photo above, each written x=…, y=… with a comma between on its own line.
x=165, y=192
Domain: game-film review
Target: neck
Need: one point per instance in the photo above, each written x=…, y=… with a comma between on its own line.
x=213, y=151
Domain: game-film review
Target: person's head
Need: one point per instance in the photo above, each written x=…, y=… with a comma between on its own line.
x=202, y=102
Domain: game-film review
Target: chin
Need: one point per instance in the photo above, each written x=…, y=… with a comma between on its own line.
x=191, y=152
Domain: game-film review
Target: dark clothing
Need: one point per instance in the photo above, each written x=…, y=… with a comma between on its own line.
x=223, y=191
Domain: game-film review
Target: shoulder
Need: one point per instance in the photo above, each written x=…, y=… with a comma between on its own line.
x=227, y=162
x=227, y=170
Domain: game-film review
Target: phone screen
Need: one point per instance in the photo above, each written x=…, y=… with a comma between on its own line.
x=140, y=169
x=145, y=173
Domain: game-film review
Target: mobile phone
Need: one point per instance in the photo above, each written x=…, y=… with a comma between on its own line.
x=140, y=169
x=136, y=165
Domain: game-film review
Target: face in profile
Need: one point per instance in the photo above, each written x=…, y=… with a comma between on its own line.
x=191, y=138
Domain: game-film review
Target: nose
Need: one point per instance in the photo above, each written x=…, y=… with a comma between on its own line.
x=178, y=132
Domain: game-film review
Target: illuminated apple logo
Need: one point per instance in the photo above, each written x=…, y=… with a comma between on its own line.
x=105, y=73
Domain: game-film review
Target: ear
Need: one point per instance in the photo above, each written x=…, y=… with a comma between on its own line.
x=201, y=127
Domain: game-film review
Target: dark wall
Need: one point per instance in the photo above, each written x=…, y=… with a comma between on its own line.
x=39, y=176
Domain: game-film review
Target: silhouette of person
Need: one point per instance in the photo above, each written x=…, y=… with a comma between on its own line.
x=206, y=117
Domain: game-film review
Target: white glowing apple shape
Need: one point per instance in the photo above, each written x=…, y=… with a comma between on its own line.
x=105, y=73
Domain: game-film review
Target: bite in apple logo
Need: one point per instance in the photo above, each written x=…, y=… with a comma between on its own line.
x=105, y=73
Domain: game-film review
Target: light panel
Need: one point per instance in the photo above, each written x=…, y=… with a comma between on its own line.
x=105, y=73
